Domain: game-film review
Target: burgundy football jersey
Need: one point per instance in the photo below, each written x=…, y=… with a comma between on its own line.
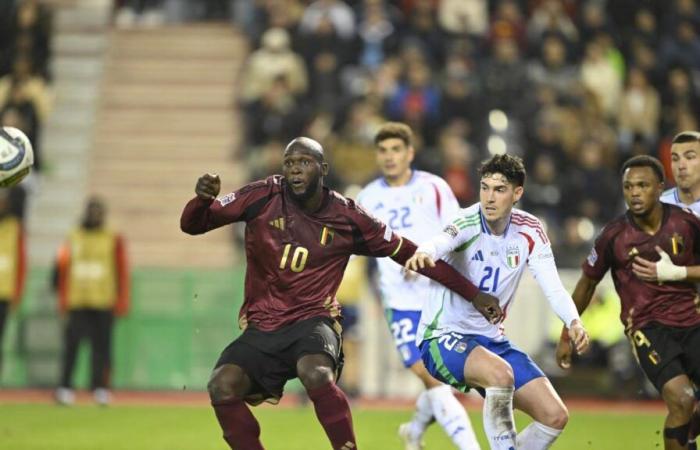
x=671, y=303
x=295, y=260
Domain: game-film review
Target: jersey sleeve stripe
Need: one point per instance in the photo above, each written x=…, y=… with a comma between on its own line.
x=530, y=242
x=398, y=247
x=531, y=223
x=438, y=200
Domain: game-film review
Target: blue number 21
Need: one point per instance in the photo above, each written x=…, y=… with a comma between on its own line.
x=399, y=218
x=488, y=274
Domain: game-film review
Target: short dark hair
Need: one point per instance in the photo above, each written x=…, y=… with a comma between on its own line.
x=510, y=166
x=645, y=161
x=686, y=136
x=394, y=130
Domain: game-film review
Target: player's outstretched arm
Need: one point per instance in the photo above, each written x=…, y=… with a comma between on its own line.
x=195, y=217
x=585, y=288
x=664, y=269
x=445, y=274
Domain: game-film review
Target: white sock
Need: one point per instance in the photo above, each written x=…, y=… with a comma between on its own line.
x=537, y=436
x=499, y=424
x=423, y=415
x=452, y=417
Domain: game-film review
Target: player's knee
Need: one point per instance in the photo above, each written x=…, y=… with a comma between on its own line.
x=316, y=377
x=680, y=403
x=557, y=418
x=226, y=384
x=501, y=376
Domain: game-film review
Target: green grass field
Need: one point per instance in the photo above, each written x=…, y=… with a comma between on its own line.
x=48, y=427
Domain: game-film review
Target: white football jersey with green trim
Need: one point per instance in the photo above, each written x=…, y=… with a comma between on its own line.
x=495, y=264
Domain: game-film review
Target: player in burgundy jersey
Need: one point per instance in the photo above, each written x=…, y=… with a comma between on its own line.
x=299, y=236
x=652, y=252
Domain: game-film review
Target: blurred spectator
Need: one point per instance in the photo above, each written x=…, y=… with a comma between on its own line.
x=92, y=282
x=353, y=147
x=273, y=60
x=549, y=18
x=682, y=47
x=22, y=85
x=277, y=114
x=459, y=161
x=340, y=15
x=553, y=70
x=30, y=37
x=639, y=110
x=504, y=78
x=590, y=184
x=12, y=263
x=508, y=23
x=376, y=35
x=598, y=74
x=679, y=96
x=417, y=100
x=422, y=30
x=544, y=193
x=464, y=17
x=325, y=54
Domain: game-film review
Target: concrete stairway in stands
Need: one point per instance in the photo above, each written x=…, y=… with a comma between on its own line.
x=55, y=202
x=165, y=116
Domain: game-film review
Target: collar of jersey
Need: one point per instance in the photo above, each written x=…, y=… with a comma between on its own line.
x=485, y=228
x=410, y=180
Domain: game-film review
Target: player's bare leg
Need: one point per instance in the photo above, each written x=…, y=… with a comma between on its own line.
x=539, y=400
x=679, y=396
x=485, y=369
x=228, y=387
x=317, y=374
x=438, y=403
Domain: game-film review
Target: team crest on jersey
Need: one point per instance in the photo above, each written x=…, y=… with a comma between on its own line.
x=327, y=236
x=418, y=199
x=677, y=244
x=226, y=199
x=513, y=257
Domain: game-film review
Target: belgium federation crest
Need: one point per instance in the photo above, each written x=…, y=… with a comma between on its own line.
x=513, y=257
x=677, y=245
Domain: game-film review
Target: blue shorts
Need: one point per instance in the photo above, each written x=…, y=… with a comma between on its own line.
x=444, y=357
x=403, y=326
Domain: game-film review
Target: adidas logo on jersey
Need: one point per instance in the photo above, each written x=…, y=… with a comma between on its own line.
x=278, y=223
x=478, y=256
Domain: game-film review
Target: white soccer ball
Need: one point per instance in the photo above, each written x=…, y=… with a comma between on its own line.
x=16, y=156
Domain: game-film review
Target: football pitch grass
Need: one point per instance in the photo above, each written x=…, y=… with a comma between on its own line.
x=129, y=427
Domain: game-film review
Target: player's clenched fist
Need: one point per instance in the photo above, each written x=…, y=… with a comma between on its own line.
x=208, y=186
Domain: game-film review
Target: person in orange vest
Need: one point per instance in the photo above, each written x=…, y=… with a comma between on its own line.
x=12, y=262
x=92, y=280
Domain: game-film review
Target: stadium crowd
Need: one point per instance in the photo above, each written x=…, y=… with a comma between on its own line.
x=572, y=87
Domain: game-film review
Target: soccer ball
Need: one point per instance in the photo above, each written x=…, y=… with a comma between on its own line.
x=16, y=156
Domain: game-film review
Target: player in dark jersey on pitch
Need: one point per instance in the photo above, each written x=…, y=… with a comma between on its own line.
x=299, y=236
x=653, y=252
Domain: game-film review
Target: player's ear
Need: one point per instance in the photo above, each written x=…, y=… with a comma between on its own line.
x=324, y=169
x=411, y=153
x=517, y=193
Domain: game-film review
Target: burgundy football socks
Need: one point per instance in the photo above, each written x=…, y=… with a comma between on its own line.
x=241, y=429
x=333, y=412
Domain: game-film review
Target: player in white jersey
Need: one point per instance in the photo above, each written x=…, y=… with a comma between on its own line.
x=685, y=165
x=413, y=203
x=491, y=243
